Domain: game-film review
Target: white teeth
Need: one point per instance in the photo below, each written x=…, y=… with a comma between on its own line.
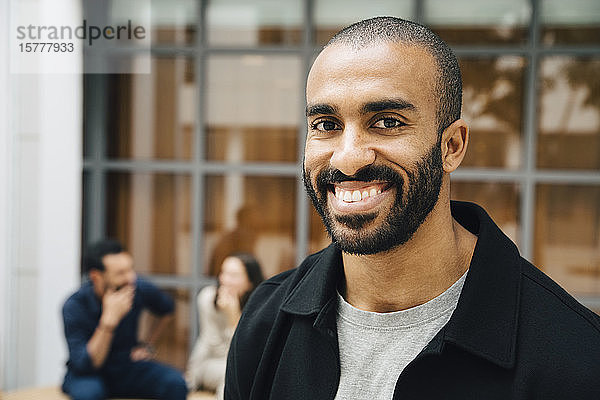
x=355, y=195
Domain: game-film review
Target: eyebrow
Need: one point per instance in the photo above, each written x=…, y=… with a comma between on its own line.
x=388, y=104
x=319, y=109
x=374, y=106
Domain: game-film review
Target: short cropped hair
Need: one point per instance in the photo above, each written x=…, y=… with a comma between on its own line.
x=397, y=30
x=94, y=253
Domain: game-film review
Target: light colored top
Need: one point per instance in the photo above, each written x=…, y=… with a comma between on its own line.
x=213, y=341
x=376, y=347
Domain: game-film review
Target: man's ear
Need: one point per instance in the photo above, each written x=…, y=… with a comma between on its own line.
x=455, y=139
x=95, y=275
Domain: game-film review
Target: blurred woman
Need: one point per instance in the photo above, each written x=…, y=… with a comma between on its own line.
x=219, y=309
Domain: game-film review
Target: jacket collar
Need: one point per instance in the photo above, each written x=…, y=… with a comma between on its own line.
x=485, y=320
x=318, y=285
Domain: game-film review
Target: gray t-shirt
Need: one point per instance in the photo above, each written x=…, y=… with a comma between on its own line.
x=376, y=347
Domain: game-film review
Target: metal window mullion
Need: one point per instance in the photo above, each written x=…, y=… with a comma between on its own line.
x=273, y=169
x=486, y=174
x=567, y=177
x=187, y=167
x=522, y=50
x=302, y=206
x=583, y=177
x=178, y=281
x=530, y=144
x=133, y=165
x=267, y=50
x=419, y=11
x=198, y=177
x=96, y=129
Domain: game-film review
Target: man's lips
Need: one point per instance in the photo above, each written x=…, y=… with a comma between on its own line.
x=357, y=196
x=354, y=191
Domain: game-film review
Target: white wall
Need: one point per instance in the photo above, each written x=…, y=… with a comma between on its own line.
x=5, y=184
x=41, y=208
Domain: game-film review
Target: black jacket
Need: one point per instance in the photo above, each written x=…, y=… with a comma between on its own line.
x=515, y=333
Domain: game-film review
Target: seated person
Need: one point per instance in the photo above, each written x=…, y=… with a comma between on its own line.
x=101, y=324
x=219, y=309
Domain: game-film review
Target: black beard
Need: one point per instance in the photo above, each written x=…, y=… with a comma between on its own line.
x=404, y=218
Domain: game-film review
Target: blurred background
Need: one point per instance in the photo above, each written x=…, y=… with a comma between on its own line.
x=203, y=156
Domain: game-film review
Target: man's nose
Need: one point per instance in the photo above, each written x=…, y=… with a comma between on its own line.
x=353, y=153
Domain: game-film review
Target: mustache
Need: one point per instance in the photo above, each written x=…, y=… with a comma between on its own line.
x=367, y=174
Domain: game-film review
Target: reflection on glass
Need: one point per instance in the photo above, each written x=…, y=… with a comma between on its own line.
x=152, y=116
x=150, y=214
x=500, y=200
x=569, y=117
x=479, y=22
x=332, y=15
x=570, y=22
x=254, y=105
x=492, y=105
x=173, y=344
x=254, y=214
x=567, y=236
x=255, y=23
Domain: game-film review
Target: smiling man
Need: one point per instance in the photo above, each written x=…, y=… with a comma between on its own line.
x=417, y=297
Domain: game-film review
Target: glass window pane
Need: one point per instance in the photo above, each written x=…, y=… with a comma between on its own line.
x=569, y=113
x=570, y=22
x=492, y=105
x=173, y=21
x=254, y=214
x=151, y=215
x=173, y=344
x=254, y=105
x=255, y=23
x=332, y=15
x=152, y=116
x=500, y=200
x=567, y=236
x=479, y=22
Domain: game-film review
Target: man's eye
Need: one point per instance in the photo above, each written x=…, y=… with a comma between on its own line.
x=388, y=123
x=325, y=126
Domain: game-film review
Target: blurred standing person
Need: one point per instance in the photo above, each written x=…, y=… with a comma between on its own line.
x=219, y=309
x=101, y=319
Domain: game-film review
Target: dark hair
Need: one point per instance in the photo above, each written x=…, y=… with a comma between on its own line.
x=92, y=258
x=254, y=272
x=392, y=29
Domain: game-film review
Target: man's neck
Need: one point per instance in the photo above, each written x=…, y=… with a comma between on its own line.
x=437, y=255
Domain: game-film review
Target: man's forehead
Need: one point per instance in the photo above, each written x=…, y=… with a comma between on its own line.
x=382, y=71
x=117, y=260
x=374, y=54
